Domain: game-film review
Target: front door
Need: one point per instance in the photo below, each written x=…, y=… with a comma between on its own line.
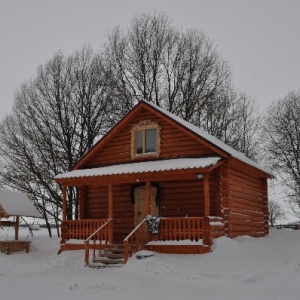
x=140, y=209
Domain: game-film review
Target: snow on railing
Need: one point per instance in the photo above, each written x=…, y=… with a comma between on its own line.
x=80, y=229
x=171, y=229
x=185, y=228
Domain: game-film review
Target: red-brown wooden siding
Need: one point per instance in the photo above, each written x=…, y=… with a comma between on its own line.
x=96, y=203
x=224, y=197
x=123, y=212
x=265, y=205
x=186, y=198
x=246, y=210
x=174, y=143
x=96, y=207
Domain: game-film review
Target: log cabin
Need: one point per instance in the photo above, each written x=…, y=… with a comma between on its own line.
x=153, y=163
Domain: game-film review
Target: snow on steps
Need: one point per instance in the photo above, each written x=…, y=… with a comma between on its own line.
x=111, y=256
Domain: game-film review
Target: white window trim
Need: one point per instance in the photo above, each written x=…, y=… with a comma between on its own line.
x=142, y=126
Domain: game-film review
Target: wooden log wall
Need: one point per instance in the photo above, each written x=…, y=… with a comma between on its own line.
x=216, y=208
x=82, y=202
x=265, y=205
x=174, y=143
x=123, y=212
x=224, y=198
x=96, y=207
x=96, y=202
x=245, y=208
x=186, y=198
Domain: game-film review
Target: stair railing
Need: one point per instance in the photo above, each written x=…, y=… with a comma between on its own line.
x=134, y=239
x=102, y=235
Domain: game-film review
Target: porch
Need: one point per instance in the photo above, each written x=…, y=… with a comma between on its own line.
x=185, y=235
x=114, y=201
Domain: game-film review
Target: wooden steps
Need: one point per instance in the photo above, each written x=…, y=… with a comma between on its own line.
x=111, y=256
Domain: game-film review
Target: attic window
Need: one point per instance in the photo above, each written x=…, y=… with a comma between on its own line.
x=145, y=139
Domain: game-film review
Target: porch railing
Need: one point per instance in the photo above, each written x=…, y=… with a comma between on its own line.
x=80, y=229
x=101, y=235
x=171, y=229
x=177, y=229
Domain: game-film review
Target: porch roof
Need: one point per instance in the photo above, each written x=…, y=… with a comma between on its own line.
x=144, y=167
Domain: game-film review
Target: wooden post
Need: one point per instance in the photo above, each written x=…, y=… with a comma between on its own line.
x=125, y=251
x=148, y=205
x=148, y=198
x=206, y=195
x=207, y=240
x=87, y=253
x=17, y=228
x=63, y=229
x=82, y=198
x=64, y=206
x=110, y=212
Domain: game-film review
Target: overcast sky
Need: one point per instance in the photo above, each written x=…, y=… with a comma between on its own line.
x=259, y=38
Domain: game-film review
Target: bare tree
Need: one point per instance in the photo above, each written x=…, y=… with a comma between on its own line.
x=247, y=127
x=156, y=62
x=180, y=71
x=56, y=118
x=282, y=133
x=74, y=100
x=276, y=212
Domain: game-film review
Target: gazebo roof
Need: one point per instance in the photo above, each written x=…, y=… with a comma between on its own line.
x=17, y=204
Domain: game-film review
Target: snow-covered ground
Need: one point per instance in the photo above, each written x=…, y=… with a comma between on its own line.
x=242, y=268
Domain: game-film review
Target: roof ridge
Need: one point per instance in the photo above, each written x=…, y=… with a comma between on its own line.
x=208, y=137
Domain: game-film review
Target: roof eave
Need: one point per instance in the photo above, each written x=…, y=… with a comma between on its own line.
x=104, y=140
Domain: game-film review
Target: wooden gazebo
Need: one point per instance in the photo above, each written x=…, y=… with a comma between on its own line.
x=15, y=205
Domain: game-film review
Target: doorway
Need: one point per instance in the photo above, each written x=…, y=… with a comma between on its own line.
x=140, y=209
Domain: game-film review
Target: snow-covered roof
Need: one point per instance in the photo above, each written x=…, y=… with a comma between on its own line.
x=17, y=204
x=203, y=134
x=143, y=167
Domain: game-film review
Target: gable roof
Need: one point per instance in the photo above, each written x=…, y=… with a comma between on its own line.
x=210, y=138
x=212, y=142
x=17, y=204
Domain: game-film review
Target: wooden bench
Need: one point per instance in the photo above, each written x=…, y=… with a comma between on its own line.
x=14, y=246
